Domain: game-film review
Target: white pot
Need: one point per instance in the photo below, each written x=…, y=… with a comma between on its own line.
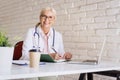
x=6, y=56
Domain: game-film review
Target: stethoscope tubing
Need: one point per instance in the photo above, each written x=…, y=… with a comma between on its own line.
x=36, y=33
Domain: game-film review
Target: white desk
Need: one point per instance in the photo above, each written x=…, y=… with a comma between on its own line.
x=53, y=69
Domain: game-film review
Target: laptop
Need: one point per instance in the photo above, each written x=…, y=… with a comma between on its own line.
x=91, y=62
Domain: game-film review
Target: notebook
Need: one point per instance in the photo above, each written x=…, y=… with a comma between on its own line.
x=48, y=58
x=91, y=62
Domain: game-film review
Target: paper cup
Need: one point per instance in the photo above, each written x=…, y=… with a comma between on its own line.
x=34, y=56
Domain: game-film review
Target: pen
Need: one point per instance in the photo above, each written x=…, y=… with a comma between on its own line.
x=54, y=50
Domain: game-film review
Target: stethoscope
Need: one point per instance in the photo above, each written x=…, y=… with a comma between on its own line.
x=36, y=34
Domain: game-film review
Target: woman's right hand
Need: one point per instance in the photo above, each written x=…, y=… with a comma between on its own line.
x=55, y=56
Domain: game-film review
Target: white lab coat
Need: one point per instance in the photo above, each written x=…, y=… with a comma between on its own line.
x=31, y=41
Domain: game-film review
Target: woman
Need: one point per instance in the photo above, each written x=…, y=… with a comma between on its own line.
x=45, y=38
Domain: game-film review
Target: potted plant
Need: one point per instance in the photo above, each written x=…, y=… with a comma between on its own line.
x=6, y=51
x=4, y=40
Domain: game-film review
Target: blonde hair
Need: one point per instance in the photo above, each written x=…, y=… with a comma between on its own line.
x=48, y=9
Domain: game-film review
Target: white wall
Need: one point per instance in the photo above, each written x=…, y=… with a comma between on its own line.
x=83, y=23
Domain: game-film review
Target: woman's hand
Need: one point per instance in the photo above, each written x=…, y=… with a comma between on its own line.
x=55, y=56
x=67, y=55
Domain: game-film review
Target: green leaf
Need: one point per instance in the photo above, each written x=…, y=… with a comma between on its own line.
x=4, y=40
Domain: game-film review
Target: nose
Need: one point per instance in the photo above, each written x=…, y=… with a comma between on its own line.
x=46, y=19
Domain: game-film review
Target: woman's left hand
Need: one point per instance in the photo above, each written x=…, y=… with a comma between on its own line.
x=67, y=55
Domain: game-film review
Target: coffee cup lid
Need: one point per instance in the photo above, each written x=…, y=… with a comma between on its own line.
x=34, y=50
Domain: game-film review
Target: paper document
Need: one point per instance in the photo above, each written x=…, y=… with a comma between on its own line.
x=24, y=62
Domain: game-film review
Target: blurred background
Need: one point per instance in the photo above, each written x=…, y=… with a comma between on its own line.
x=83, y=23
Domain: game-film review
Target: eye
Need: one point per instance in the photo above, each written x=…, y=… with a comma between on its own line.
x=50, y=17
x=43, y=16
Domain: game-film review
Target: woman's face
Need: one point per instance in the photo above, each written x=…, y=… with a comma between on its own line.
x=47, y=18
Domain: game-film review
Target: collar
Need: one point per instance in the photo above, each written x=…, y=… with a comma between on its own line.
x=43, y=34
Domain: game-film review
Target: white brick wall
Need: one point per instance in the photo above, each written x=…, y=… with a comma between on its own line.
x=83, y=23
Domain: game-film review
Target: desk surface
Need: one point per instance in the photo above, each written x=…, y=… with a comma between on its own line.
x=53, y=69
